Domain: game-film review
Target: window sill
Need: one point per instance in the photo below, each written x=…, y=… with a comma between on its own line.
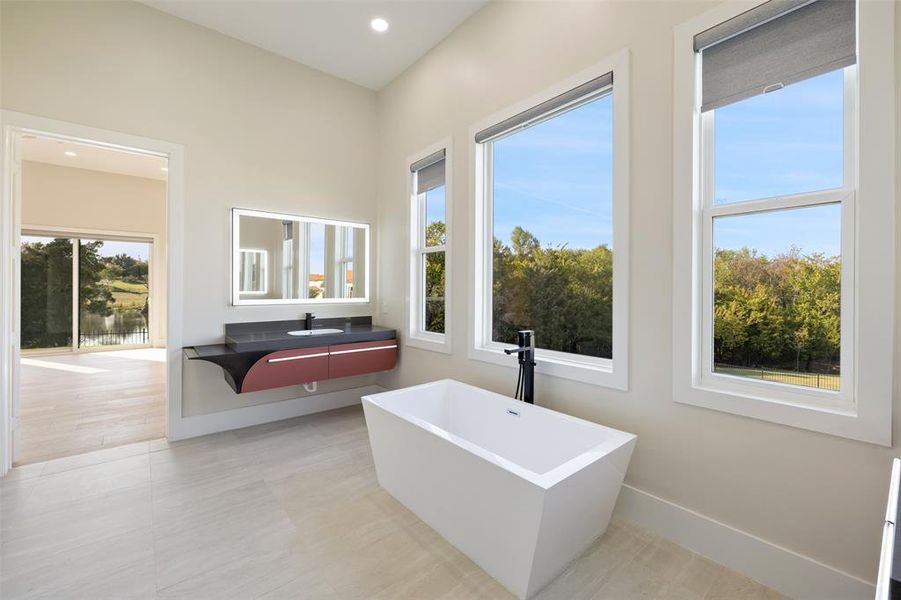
x=601, y=373
x=433, y=343
x=821, y=412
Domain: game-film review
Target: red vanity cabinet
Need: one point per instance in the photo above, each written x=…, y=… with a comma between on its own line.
x=305, y=365
x=287, y=367
x=346, y=360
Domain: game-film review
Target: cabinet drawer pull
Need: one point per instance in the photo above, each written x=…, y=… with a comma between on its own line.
x=364, y=349
x=287, y=358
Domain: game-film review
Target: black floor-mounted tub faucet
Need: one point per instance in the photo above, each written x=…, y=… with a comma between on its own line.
x=525, y=382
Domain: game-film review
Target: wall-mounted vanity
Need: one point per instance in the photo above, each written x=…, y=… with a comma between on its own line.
x=272, y=354
x=288, y=259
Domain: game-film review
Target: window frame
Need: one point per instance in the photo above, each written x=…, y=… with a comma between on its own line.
x=417, y=336
x=611, y=373
x=862, y=408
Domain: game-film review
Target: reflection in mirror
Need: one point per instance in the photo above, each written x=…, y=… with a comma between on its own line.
x=288, y=259
x=253, y=271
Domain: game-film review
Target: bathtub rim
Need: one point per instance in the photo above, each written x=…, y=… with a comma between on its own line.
x=617, y=438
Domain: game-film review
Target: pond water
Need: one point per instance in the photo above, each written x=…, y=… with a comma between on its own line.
x=121, y=327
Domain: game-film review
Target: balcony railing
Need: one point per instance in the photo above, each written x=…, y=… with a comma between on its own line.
x=113, y=338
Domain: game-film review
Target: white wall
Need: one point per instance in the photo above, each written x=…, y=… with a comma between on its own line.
x=818, y=495
x=85, y=200
x=259, y=131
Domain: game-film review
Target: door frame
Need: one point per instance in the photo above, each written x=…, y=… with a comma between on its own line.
x=13, y=126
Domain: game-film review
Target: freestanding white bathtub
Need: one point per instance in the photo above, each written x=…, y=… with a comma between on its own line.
x=520, y=489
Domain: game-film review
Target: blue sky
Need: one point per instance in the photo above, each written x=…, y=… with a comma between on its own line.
x=139, y=250
x=554, y=179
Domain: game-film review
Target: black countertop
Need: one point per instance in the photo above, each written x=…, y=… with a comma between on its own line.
x=269, y=336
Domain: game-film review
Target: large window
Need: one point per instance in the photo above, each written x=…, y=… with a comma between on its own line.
x=769, y=259
x=429, y=314
x=83, y=293
x=551, y=249
x=775, y=213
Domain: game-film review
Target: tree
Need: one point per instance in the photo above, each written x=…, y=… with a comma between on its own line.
x=435, y=277
x=779, y=312
x=93, y=296
x=564, y=294
x=46, y=294
x=46, y=290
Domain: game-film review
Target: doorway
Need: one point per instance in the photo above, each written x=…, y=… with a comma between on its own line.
x=92, y=316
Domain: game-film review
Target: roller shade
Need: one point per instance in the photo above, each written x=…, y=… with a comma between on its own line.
x=773, y=45
x=583, y=93
x=429, y=172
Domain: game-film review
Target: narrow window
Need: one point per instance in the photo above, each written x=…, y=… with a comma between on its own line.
x=429, y=245
x=553, y=205
x=776, y=146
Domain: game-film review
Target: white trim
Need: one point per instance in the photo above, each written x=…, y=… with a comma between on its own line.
x=248, y=416
x=868, y=314
x=300, y=357
x=14, y=125
x=416, y=336
x=355, y=350
x=603, y=372
x=781, y=569
x=235, y=267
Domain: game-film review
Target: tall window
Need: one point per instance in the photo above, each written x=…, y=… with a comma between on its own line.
x=776, y=146
x=550, y=238
x=429, y=243
x=783, y=238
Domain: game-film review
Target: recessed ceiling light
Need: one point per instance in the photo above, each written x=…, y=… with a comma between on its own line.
x=165, y=169
x=379, y=25
x=69, y=153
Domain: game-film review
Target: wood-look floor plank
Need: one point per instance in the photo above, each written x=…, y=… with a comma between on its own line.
x=77, y=403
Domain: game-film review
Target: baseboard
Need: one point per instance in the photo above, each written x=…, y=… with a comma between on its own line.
x=783, y=570
x=188, y=427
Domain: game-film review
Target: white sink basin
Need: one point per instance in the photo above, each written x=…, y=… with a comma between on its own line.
x=315, y=331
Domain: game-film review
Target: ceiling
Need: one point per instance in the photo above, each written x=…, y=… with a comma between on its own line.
x=332, y=36
x=94, y=158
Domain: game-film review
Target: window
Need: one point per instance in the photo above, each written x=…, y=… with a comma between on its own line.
x=82, y=292
x=770, y=214
x=429, y=237
x=553, y=229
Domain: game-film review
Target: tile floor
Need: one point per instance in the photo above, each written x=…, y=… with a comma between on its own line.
x=285, y=510
x=77, y=403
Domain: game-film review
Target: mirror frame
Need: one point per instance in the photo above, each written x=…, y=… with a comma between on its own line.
x=236, y=299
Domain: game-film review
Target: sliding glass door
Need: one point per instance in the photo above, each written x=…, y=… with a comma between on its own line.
x=83, y=292
x=114, y=293
x=46, y=293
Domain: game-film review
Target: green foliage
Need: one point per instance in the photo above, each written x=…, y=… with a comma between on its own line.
x=780, y=312
x=94, y=296
x=435, y=278
x=564, y=294
x=46, y=289
x=125, y=267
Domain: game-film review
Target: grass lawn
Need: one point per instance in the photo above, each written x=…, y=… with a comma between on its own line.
x=127, y=295
x=821, y=380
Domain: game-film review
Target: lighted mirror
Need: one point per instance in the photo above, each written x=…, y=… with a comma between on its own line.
x=288, y=259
